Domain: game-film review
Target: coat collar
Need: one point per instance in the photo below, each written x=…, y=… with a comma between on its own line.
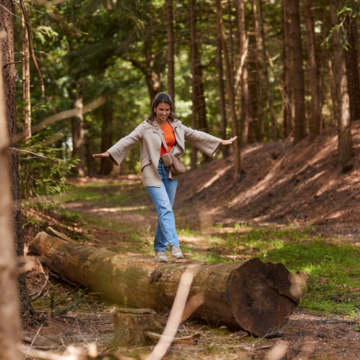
x=154, y=123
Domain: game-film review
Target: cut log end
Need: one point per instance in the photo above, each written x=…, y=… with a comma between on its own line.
x=265, y=301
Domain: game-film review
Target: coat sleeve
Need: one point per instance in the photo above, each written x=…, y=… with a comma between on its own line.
x=203, y=141
x=121, y=148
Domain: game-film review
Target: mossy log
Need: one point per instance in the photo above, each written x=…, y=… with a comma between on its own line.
x=249, y=295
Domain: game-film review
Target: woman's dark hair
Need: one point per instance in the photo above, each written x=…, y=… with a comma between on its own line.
x=162, y=98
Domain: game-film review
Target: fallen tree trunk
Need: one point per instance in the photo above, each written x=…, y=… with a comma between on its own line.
x=250, y=295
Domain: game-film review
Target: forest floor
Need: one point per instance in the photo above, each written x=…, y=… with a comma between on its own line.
x=285, y=208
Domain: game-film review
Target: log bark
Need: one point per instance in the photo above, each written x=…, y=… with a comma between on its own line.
x=250, y=295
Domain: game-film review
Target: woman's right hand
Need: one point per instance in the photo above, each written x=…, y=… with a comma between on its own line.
x=105, y=154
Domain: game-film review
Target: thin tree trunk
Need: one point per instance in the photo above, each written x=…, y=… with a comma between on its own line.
x=231, y=38
x=9, y=78
x=194, y=78
x=322, y=87
x=219, y=66
x=106, y=139
x=287, y=70
x=26, y=81
x=344, y=120
x=245, y=103
x=170, y=50
x=314, y=88
x=229, y=88
x=298, y=71
x=351, y=60
x=266, y=76
x=333, y=91
x=259, y=99
x=10, y=335
x=90, y=161
x=77, y=126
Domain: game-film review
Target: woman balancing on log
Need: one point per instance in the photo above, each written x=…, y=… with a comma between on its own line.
x=162, y=142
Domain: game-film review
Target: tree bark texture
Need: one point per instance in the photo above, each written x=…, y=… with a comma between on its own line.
x=26, y=81
x=229, y=89
x=10, y=335
x=251, y=295
x=344, y=120
x=298, y=71
x=352, y=71
x=170, y=50
x=314, y=87
x=198, y=98
x=106, y=139
x=194, y=78
x=333, y=91
x=259, y=94
x=287, y=69
x=223, y=124
x=266, y=76
x=77, y=127
x=9, y=78
x=245, y=101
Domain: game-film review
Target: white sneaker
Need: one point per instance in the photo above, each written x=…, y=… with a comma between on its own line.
x=160, y=256
x=176, y=252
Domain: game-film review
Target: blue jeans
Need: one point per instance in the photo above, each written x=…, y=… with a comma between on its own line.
x=163, y=199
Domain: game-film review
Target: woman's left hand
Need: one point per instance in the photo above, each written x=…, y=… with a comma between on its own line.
x=228, y=142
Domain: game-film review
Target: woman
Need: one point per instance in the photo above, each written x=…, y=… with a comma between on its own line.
x=158, y=180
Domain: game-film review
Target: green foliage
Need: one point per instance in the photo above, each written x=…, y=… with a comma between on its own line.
x=41, y=170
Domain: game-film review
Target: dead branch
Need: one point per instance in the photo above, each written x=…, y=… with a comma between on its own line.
x=180, y=340
x=31, y=47
x=65, y=115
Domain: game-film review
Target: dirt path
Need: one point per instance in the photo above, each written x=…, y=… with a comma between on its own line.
x=120, y=216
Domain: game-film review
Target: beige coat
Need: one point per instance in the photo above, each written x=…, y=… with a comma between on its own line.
x=149, y=134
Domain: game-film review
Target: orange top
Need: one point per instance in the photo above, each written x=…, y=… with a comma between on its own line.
x=169, y=137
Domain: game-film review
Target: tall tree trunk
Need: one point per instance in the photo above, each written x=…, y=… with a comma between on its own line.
x=344, y=120
x=170, y=50
x=106, y=139
x=223, y=124
x=314, y=87
x=10, y=335
x=154, y=84
x=259, y=94
x=266, y=76
x=298, y=71
x=229, y=88
x=194, y=78
x=287, y=70
x=333, y=91
x=9, y=78
x=322, y=87
x=231, y=38
x=77, y=127
x=26, y=81
x=352, y=71
x=245, y=103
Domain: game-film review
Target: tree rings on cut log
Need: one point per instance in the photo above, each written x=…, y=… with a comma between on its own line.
x=266, y=301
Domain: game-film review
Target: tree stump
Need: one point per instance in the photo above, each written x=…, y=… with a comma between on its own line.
x=131, y=326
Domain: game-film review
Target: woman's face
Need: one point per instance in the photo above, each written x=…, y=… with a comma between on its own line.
x=162, y=111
